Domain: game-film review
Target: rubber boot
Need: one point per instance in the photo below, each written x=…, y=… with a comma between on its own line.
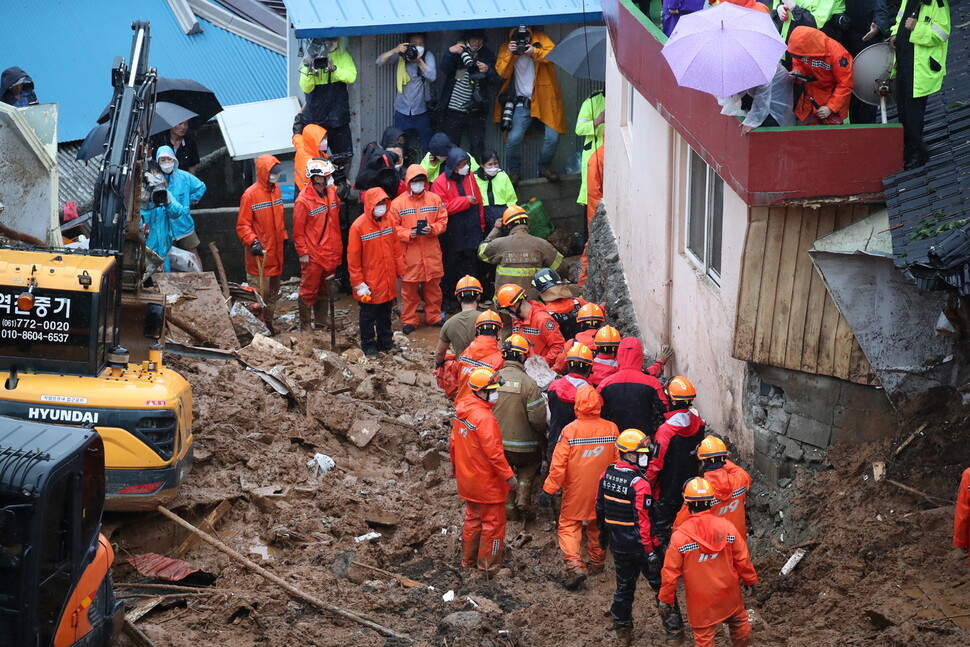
x=575, y=576
x=624, y=636
x=268, y=313
x=306, y=317
x=673, y=625
x=320, y=313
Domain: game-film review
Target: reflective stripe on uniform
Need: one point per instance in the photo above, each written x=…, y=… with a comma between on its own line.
x=686, y=548
x=517, y=271
x=616, y=500
x=521, y=444
x=602, y=440
x=535, y=403
x=939, y=31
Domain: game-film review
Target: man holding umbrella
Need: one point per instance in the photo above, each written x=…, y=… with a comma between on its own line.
x=178, y=138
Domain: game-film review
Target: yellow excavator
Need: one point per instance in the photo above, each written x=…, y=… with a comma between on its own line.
x=80, y=339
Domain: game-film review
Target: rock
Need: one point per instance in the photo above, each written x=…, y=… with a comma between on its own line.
x=353, y=355
x=431, y=459
x=461, y=621
x=407, y=377
x=265, y=344
x=363, y=431
x=484, y=605
x=340, y=566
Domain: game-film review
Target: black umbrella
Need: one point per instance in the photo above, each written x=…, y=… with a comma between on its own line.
x=166, y=115
x=186, y=93
x=582, y=53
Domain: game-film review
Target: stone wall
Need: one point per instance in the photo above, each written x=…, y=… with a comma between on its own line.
x=607, y=280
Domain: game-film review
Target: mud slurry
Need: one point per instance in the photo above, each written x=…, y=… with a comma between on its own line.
x=878, y=570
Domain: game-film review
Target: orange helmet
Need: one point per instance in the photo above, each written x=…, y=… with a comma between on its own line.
x=468, y=283
x=488, y=318
x=590, y=313
x=484, y=378
x=509, y=295
x=516, y=343
x=580, y=354
x=698, y=489
x=711, y=447
x=607, y=337
x=633, y=440
x=513, y=215
x=680, y=388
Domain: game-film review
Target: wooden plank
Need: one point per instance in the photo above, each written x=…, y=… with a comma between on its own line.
x=841, y=339
x=749, y=292
x=842, y=353
x=786, y=285
x=208, y=524
x=804, y=270
x=860, y=370
x=817, y=296
x=769, y=285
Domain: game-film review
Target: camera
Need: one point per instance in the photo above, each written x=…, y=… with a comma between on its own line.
x=411, y=53
x=468, y=61
x=507, y=111
x=321, y=62
x=340, y=162
x=521, y=39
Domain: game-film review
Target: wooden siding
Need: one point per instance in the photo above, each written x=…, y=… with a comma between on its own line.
x=786, y=316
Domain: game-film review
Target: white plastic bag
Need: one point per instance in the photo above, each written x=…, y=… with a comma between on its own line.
x=183, y=261
x=320, y=464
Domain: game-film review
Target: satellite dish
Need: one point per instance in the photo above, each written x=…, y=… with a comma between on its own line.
x=871, y=71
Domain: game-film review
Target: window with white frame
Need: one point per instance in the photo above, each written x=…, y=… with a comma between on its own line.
x=705, y=215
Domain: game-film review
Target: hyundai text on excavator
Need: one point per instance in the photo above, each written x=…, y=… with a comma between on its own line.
x=79, y=338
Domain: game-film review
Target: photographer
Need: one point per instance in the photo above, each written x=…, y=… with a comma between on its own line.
x=326, y=72
x=864, y=23
x=531, y=90
x=159, y=211
x=416, y=74
x=469, y=68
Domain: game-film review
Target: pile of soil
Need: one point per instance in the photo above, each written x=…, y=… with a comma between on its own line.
x=878, y=568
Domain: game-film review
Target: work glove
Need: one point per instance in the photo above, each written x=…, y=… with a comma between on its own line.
x=513, y=484
x=748, y=589
x=362, y=289
x=545, y=500
x=664, y=608
x=257, y=249
x=304, y=259
x=653, y=563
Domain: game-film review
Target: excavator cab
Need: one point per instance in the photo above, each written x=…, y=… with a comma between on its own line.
x=54, y=563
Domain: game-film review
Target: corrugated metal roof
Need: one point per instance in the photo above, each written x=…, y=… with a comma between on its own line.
x=929, y=204
x=68, y=48
x=75, y=179
x=313, y=19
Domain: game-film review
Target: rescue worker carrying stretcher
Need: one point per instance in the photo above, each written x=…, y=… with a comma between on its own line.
x=623, y=503
x=518, y=254
x=712, y=557
x=531, y=320
x=317, y=239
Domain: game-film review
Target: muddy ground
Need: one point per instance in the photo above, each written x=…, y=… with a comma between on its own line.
x=879, y=568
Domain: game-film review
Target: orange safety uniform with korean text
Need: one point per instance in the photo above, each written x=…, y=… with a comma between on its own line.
x=961, y=519
x=542, y=331
x=731, y=484
x=261, y=218
x=374, y=251
x=829, y=63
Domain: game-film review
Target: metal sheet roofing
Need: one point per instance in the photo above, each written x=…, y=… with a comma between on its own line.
x=68, y=49
x=316, y=19
x=929, y=204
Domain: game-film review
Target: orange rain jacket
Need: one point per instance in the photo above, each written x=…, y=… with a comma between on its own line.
x=542, y=331
x=710, y=555
x=584, y=451
x=422, y=254
x=477, y=456
x=307, y=147
x=484, y=351
x=261, y=218
x=961, y=520
x=374, y=252
x=731, y=484
x=546, y=95
x=316, y=227
x=829, y=63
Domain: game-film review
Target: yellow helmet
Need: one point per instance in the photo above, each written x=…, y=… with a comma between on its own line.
x=484, y=378
x=633, y=440
x=711, y=447
x=698, y=489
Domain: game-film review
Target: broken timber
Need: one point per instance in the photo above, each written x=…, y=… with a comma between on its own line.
x=208, y=524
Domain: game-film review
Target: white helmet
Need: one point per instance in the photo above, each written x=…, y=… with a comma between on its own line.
x=319, y=166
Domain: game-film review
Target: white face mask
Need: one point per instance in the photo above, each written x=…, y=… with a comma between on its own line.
x=417, y=187
x=329, y=180
x=493, y=397
x=397, y=167
x=464, y=170
x=167, y=167
x=380, y=210
x=274, y=178
x=643, y=460
x=323, y=146
x=420, y=50
x=492, y=171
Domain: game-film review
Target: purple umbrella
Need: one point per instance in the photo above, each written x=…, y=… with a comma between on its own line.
x=723, y=50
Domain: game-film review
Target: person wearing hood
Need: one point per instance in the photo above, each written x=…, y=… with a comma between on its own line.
x=498, y=194
x=631, y=398
x=375, y=264
x=466, y=218
x=310, y=144
x=469, y=70
x=395, y=140
x=961, y=516
x=262, y=230
x=187, y=190
x=675, y=456
x=586, y=448
x=531, y=91
x=415, y=75
x=419, y=217
x=562, y=394
x=731, y=485
x=590, y=125
x=483, y=475
x=17, y=88
x=594, y=193
x=623, y=502
x=157, y=219
x=521, y=414
x=816, y=55
x=674, y=9
x=328, y=101
x=712, y=557
x=316, y=237
x=518, y=254
x=438, y=149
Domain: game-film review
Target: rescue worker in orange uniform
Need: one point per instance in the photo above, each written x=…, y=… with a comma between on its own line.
x=375, y=264
x=422, y=253
x=559, y=301
x=310, y=144
x=589, y=319
x=961, y=518
x=816, y=55
x=562, y=393
x=261, y=229
x=317, y=239
x=586, y=448
x=623, y=502
x=484, y=476
x=459, y=329
x=484, y=350
x=731, y=484
x=674, y=461
x=531, y=320
x=518, y=254
x=606, y=340
x=711, y=556
x=521, y=414
x=594, y=193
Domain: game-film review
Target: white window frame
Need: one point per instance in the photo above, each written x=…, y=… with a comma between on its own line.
x=710, y=179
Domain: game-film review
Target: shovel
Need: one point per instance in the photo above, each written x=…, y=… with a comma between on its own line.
x=333, y=328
